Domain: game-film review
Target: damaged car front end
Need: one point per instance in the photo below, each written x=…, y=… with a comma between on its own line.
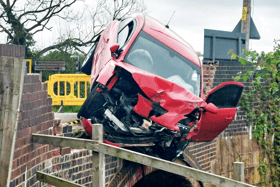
x=146, y=90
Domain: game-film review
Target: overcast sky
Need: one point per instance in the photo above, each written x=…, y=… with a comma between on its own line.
x=193, y=16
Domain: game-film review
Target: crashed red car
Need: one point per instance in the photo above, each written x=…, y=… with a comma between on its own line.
x=146, y=90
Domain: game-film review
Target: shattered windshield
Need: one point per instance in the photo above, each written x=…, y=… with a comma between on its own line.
x=149, y=54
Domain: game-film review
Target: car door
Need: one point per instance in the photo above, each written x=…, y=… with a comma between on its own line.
x=225, y=97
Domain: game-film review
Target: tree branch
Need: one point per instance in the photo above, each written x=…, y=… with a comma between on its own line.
x=36, y=11
x=43, y=26
x=75, y=43
x=51, y=12
x=20, y=24
x=13, y=4
x=6, y=31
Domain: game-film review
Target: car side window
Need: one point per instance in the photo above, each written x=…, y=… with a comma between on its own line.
x=126, y=29
x=123, y=36
x=87, y=63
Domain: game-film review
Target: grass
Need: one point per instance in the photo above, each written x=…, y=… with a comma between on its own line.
x=67, y=109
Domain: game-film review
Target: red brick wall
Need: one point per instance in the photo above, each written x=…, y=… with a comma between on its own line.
x=209, y=71
x=200, y=155
x=129, y=174
x=36, y=116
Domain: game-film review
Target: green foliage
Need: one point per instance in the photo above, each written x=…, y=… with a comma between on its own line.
x=263, y=168
x=261, y=103
x=67, y=109
x=81, y=134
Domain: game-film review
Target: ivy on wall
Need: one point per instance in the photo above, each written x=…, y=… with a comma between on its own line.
x=261, y=103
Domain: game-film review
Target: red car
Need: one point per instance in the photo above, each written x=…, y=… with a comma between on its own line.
x=146, y=90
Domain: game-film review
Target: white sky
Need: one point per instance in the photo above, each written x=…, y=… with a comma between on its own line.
x=193, y=16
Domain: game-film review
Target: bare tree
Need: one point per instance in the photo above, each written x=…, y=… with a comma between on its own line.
x=21, y=20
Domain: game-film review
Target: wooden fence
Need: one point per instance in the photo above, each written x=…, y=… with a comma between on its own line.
x=100, y=149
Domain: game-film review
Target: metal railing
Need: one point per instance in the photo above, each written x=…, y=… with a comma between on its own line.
x=68, y=89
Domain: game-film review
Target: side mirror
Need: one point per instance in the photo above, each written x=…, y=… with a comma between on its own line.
x=210, y=107
x=114, y=48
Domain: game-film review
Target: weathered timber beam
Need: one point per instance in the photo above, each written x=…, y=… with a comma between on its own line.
x=12, y=71
x=53, y=180
x=157, y=163
x=98, y=159
x=75, y=143
x=168, y=166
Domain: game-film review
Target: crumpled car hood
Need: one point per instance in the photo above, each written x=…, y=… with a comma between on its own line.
x=175, y=99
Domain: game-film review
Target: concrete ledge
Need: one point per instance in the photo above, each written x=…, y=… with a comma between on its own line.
x=66, y=117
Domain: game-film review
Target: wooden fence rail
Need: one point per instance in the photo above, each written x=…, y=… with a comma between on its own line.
x=157, y=163
x=53, y=180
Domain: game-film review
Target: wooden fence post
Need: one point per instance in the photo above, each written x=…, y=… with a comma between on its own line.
x=238, y=171
x=98, y=159
x=157, y=163
x=12, y=70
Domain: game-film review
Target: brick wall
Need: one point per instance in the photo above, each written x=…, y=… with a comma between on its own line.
x=129, y=174
x=118, y=172
x=36, y=116
x=10, y=50
x=200, y=155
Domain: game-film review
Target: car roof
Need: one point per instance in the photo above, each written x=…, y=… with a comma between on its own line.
x=170, y=38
